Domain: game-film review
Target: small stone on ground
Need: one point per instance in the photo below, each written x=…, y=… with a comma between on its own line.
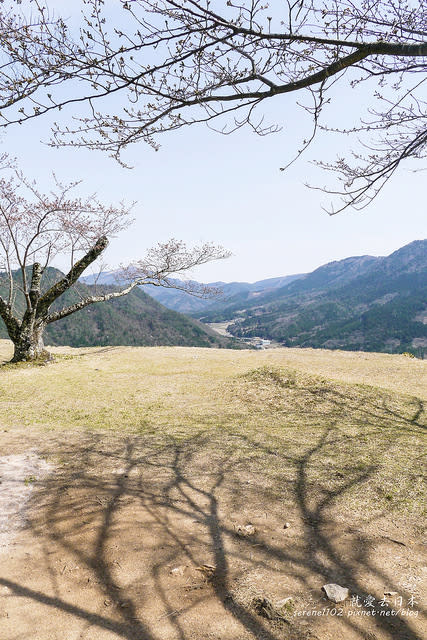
x=336, y=593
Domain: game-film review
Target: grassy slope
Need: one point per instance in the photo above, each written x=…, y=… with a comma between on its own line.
x=286, y=399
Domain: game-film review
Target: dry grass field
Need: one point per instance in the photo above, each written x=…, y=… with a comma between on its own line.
x=160, y=457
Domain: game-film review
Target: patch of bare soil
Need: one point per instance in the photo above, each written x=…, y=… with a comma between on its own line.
x=147, y=539
x=19, y=475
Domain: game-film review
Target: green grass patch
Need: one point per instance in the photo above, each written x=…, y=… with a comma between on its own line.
x=299, y=425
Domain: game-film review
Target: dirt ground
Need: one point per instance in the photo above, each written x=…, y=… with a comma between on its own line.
x=138, y=538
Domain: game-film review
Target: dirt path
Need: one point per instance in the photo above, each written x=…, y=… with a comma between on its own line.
x=136, y=538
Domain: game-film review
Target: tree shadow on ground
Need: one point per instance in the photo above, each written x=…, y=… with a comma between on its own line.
x=130, y=511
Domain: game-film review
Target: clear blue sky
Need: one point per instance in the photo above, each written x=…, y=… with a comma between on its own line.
x=202, y=186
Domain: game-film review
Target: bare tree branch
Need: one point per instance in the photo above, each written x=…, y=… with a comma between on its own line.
x=67, y=311
x=173, y=64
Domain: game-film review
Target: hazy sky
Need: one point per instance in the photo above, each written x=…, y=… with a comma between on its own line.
x=202, y=186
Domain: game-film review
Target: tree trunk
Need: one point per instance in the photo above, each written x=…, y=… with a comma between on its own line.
x=29, y=345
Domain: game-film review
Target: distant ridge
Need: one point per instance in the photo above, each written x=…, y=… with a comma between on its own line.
x=360, y=303
x=232, y=292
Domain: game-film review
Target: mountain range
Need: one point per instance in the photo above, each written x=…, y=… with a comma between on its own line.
x=360, y=303
x=363, y=303
x=231, y=292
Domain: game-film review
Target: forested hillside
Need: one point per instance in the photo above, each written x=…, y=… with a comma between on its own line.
x=361, y=303
x=134, y=320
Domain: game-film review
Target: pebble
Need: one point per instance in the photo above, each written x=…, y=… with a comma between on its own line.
x=336, y=593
